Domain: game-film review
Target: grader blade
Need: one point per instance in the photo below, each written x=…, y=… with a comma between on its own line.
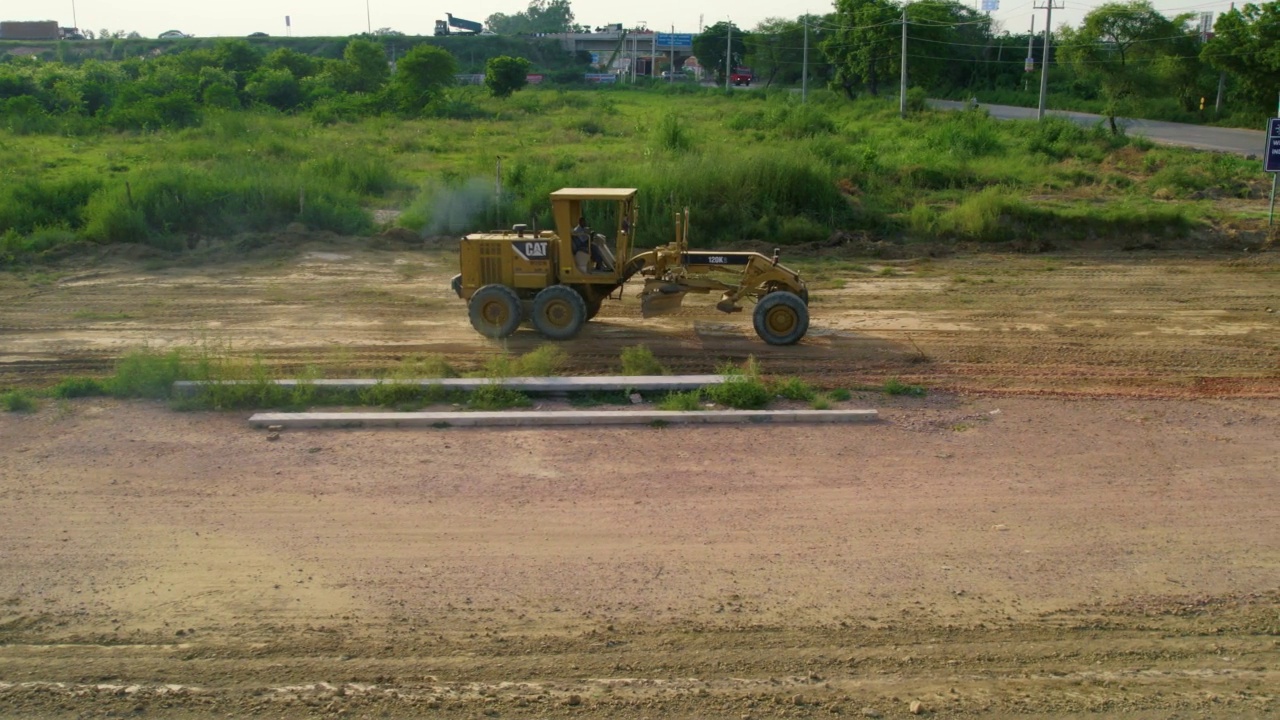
x=662, y=302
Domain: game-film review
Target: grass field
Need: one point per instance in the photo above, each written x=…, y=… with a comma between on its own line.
x=751, y=166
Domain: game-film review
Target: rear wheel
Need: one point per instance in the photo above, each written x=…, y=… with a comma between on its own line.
x=559, y=312
x=495, y=311
x=781, y=318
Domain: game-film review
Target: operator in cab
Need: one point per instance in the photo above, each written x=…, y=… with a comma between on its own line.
x=592, y=248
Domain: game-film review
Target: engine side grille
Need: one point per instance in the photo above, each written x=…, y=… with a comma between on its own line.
x=490, y=263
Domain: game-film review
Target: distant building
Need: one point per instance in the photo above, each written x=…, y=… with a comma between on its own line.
x=172, y=35
x=42, y=30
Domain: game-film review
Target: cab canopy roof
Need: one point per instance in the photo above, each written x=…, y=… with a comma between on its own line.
x=593, y=193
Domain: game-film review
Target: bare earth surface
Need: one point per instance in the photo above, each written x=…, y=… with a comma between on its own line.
x=1113, y=550
x=1168, y=327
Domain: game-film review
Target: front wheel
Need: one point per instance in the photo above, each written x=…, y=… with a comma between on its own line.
x=781, y=318
x=559, y=312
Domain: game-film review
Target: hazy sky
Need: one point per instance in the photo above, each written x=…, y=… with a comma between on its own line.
x=346, y=17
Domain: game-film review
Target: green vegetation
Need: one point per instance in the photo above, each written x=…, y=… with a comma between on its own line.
x=640, y=360
x=894, y=386
x=821, y=402
x=545, y=361
x=681, y=401
x=792, y=388
x=750, y=166
x=504, y=75
x=840, y=395
x=17, y=401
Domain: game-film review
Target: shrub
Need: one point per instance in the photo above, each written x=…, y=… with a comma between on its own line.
x=792, y=388
x=504, y=75
x=76, y=387
x=743, y=389
x=496, y=397
x=840, y=395
x=894, y=386
x=29, y=204
x=148, y=374
x=821, y=402
x=671, y=134
x=681, y=401
x=640, y=360
x=17, y=401
x=545, y=361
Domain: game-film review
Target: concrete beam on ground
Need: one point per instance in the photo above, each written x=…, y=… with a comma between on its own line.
x=554, y=418
x=536, y=385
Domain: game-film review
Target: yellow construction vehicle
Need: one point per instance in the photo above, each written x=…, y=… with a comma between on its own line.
x=557, y=279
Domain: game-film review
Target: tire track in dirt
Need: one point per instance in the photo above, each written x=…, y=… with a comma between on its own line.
x=1072, y=325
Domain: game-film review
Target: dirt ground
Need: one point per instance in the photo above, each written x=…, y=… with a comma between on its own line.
x=1081, y=519
x=1145, y=326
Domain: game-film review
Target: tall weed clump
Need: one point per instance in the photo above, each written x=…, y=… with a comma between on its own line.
x=30, y=204
x=672, y=135
x=224, y=199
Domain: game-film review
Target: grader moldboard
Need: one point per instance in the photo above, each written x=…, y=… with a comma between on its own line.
x=557, y=279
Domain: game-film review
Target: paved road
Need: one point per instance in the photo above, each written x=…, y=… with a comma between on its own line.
x=1241, y=142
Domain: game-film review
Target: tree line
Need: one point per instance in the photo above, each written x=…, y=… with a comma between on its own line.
x=171, y=90
x=1124, y=58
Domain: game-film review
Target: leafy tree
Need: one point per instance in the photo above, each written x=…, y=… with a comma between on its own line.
x=775, y=49
x=542, y=16
x=711, y=44
x=387, y=32
x=1118, y=43
x=865, y=47
x=277, y=88
x=363, y=68
x=1246, y=43
x=504, y=75
x=299, y=65
x=237, y=56
x=421, y=74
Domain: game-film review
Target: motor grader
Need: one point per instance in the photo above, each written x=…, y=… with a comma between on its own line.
x=558, y=279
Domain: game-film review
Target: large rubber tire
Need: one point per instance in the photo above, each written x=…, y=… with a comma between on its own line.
x=495, y=311
x=559, y=312
x=781, y=318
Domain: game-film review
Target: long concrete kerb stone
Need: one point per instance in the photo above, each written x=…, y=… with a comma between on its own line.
x=555, y=418
x=533, y=385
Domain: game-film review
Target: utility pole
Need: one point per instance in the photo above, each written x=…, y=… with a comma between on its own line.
x=728, y=55
x=1048, y=7
x=1030, y=64
x=368, y=16
x=1222, y=84
x=804, y=78
x=902, y=84
x=76, y=22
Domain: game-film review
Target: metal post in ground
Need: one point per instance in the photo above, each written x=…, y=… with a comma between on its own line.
x=728, y=55
x=902, y=82
x=804, y=75
x=1271, y=213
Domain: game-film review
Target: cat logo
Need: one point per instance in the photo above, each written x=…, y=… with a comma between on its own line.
x=531, y=250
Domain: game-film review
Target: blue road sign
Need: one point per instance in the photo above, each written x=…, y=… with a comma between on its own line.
x=1271, y=162
x=667, y=40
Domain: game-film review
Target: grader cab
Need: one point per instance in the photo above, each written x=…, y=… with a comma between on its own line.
x=558, y=279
